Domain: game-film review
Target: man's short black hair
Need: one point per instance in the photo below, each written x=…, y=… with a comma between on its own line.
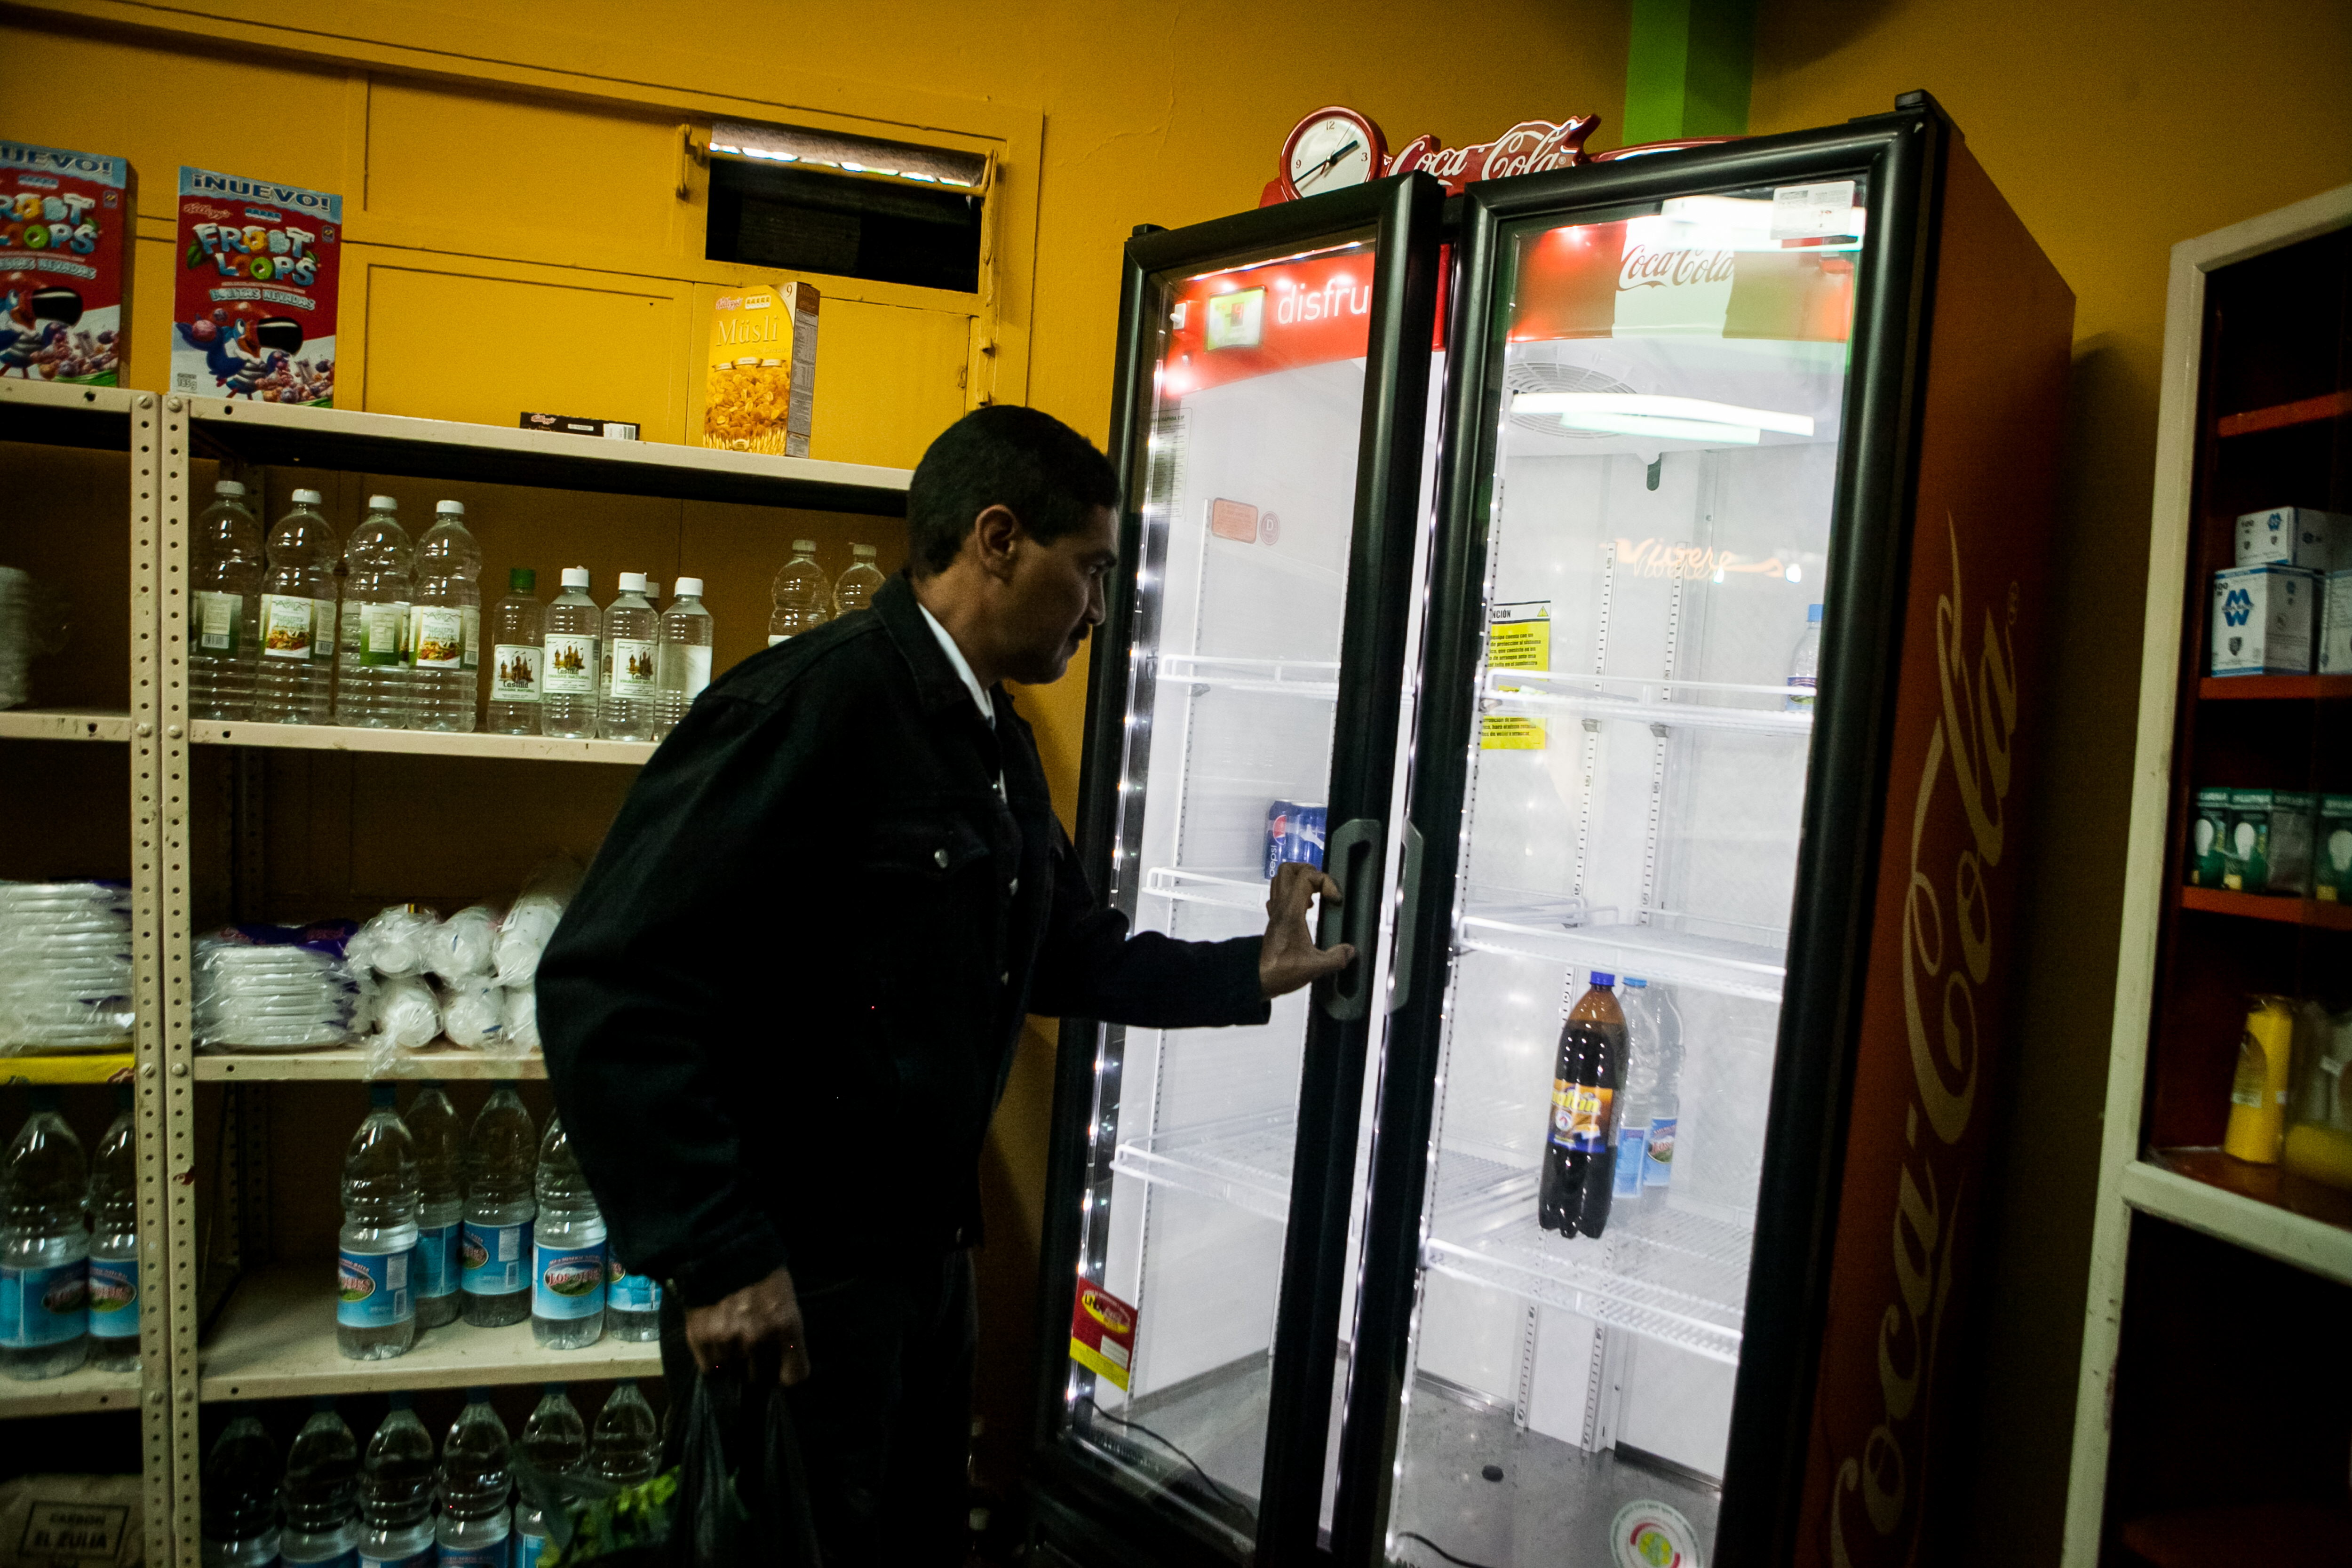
x=1046, y=473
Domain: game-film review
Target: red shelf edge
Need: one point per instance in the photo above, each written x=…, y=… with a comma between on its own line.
x=2262, y=907
x=2275, y=688
x=2278, y=416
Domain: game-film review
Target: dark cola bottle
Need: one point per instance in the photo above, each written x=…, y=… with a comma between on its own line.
x=1580, y=1149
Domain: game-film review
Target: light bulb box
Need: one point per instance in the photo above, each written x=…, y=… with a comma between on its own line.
x=2262, y=620
x=2209, y=839
x=2336, y=624
x=2294, y=536
x=2331, y=862
x=2269, y=849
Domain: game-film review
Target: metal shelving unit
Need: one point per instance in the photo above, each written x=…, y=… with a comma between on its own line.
x=272, y=1328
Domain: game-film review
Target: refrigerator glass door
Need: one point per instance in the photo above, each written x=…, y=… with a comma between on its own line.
x=1247, y=492
x=1666, y=461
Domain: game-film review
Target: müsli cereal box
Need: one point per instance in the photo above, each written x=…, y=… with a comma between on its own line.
x=253, y=309
x=63, y=259
x=761, y=392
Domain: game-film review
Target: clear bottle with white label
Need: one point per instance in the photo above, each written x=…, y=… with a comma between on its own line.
x=633, y=685
x=225, y=576
x=517, y=629
x=372, y=689
x=1805, y=665
x=444, y=623
x=803, y=595
x=683, y=665
x=571, y=662
x=294, y=682
x=859, y=584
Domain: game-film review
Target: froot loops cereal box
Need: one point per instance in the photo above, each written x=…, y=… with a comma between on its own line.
x=62, y=264
x=253, y=306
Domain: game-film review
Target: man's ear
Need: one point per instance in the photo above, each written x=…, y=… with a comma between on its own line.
x=997, y=536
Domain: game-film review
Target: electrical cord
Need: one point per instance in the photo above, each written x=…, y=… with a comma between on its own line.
x=1235, y=1499
x=1416, y=1535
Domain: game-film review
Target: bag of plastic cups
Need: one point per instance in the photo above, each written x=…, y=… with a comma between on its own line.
x=459, y=947
x=523, y=934
x=522, y=1017
x=395, y=941
x=474, y=1013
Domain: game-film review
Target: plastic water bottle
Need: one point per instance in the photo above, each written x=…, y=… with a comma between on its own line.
x=517, y=625
x=501, y=1166
x=555, y=1440
x=225, y=572
x=1658, y=1163
x=802, y=596
x=474, y=1519
x=44, y=1248
x=321, y=1493
x=114, y=1242
x=238, y=1523
x=567, y=1273
x=626, y=1448
x=1638, y=1097
x=372, y=690
x=632, y=638
x=571, y=662
x=295, y=677
x=396, y=1491
x=687, y=633
x=440, y=1204
x=632, y=1306
x=444, y=623
x=375, y=1306
x=859, y=584
x=1805, y=666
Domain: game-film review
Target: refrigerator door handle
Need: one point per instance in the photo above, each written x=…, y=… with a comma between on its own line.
x=1352, y=856
x=1408, y=922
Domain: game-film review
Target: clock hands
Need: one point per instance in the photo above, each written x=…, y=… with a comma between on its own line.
x=1302, y=181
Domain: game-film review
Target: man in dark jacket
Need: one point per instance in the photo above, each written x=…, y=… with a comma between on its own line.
x=779, y=1014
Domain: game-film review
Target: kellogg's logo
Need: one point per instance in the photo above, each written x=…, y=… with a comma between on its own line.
x=1648, y=267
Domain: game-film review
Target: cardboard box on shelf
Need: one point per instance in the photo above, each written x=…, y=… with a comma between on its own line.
x=2294, y=536
x=761, y=392
x=2331, y=862
x=2336, y=624
x=572, y=425
x=2263, y=618
x=2270, y=842
x=253, y=307
x=63, y=263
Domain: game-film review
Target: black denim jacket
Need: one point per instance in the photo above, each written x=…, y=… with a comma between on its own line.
x=781, y=1011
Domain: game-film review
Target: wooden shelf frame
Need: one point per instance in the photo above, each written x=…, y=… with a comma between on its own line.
x=2285, y=415
x=2129, y=1184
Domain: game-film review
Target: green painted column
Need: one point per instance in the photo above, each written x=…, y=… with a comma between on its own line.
x=1688, y=71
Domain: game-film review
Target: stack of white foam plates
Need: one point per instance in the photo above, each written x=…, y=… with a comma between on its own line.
x=15, y=636
x=274, y=988
x=65, y=966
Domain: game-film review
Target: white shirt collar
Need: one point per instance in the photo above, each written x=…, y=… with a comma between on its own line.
x=962, y=667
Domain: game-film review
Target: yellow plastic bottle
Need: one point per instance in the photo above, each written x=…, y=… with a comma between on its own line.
x=2258, y=1093
x=2319, y=1144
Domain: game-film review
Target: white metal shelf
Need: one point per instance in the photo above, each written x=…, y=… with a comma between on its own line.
x=340, y=438
x=64, y=415
x=1245, y=1162
x=1657, y=1270
x=88, y=1389
x=64, y=724
x=276, y=1340
x=1674, y=704
x=1530, y=925
x=349, y=1064
x=2308, y=1244
x=1229, y=887
x=417, y=743
x=1318, y=680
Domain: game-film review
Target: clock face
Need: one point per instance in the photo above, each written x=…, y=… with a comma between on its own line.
x=1330, y=151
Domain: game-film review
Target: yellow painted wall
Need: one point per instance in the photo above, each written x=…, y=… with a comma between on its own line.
x=2115, y=130
x=1152, y=112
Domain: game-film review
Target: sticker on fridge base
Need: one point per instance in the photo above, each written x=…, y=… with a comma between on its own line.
x=1655, y=1536
x=1102, y=1335
x=1518, y=636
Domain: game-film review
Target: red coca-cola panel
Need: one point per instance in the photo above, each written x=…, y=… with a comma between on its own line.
x=1230, y=326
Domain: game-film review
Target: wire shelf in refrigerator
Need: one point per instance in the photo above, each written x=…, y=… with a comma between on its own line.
x=1246, y=1163
x=1676, y=704
x=1227, y=888
x=1308, y=678
x=1663, y=1272
x=1523, y=925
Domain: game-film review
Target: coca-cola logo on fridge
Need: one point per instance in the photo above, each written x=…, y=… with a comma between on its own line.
x=1654, y=267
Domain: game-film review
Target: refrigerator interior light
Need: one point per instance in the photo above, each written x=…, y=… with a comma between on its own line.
x=1585, y=410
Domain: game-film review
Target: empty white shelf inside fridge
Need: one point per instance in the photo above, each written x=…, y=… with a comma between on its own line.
x=1246, y=1163
x=1308, y=678
x=1533, y=925
x=1674, y=704
x=1231, y=887
x=1663, y=1272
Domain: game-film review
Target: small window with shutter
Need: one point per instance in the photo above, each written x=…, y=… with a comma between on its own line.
x=854, y=207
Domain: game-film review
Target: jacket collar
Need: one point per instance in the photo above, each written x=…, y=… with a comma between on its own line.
x=937, y=684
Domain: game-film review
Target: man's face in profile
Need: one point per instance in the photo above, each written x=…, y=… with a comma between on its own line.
x=1056, y=597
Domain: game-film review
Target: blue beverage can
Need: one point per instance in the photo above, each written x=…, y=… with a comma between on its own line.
x=1305, y=839
x=1278, y=835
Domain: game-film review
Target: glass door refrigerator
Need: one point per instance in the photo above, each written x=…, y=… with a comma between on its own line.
x=1633, y=1225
